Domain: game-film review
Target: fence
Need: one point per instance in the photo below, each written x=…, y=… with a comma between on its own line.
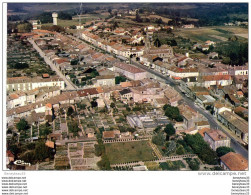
x=164, y=159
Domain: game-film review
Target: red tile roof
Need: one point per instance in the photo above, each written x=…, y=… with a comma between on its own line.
x=234, y=161
x=216, y=77
x=128, y=68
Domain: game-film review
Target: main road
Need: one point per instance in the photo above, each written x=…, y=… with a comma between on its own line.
x=212, y=121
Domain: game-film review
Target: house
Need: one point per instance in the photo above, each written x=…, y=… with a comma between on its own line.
x=204, y=47
x=108, y=80
x=25, y=83
x=236, y=124
x=126, y=94
x=238, y=70
x=222, y=80
x=179, y=73
x=213, y=55
x=240, y=81
x=50, y=144
x=108, y=135
x=239, y=94
x=164, y=51
x=232, y=99
x=160, y=102
x=202, y=124
x=204, y=100
x=188, y=26
x=241, y=111
x=216, y=138
x=90, y=132
x=234, y=162
x=195, y=91
x=130, y=71
x=190, y=117
x=172, y=95
x=219, y=107
x=208, y=42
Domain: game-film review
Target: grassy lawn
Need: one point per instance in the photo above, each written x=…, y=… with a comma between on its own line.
x=128, y=152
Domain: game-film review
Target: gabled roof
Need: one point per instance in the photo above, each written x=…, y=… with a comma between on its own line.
x=234, y=161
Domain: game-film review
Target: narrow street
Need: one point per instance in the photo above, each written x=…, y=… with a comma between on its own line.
x=69, y=84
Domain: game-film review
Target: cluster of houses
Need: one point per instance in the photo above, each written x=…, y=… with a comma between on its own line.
x=231, y=161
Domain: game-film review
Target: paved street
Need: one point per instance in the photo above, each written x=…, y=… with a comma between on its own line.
x=69, y=84
x=212, y=121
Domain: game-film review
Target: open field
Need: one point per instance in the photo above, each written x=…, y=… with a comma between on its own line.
x=143, y=16
x=123, y=152
x=216, y=34
x=64, y=23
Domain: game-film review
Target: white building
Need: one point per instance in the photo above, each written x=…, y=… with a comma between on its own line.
x=25, y=83
x=216, y=138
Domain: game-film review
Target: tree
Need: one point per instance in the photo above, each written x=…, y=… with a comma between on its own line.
x=23, y=28
x=159, y=21
x=157, y=43
x=104, y=163
x=112, y=105
x=223, y=150
x=138, y=18
x=94, y=103
x=42, y=151
x=201, y=148
x=157, y=129
x=45, y=17
x=73, y=128
x=110, y=11
x=119, y=79
x=22, y=125
x=64, y=16
x=169, y=130
x=180, y=150
x=70, y=111
x=158, y=139
x=172, y=112
x=193, y=164
x=99, y=149
x=20, y=65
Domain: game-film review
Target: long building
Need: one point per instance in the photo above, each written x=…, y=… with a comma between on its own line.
x=25, y=83
x=235, y=123
x=130, y=71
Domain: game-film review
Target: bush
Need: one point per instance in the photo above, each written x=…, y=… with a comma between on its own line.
x=194, y=164
x=221, y=151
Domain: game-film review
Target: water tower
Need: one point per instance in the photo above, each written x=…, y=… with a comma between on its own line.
x=55, y=18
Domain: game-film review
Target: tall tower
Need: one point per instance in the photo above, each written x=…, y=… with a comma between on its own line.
x=55, y=18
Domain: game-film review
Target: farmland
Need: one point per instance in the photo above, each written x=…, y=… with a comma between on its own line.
x=216, y=34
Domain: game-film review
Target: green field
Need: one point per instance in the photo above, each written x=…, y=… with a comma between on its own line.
x=123, y=152
x=217, y=34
